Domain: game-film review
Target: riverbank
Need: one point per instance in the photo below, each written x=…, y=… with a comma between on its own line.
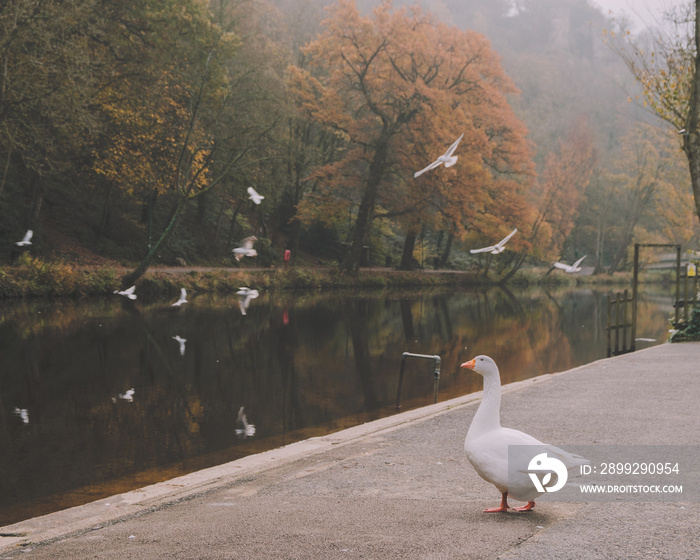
x=401, y=487
x=34, y=277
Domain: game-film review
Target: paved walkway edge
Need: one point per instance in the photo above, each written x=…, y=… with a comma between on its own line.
x=61, y=524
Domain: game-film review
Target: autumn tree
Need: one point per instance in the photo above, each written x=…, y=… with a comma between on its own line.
x=561, y=188
x=398, y=88
x=669, y=71
x=641, y=196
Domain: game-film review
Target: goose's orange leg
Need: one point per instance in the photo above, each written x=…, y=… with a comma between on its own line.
x=526, y=507
x=503, y=507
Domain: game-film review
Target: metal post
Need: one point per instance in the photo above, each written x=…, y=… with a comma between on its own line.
x=608, y=329
x=686, y=303
x=633, y=335
x=624, y=323
x=617, y=323
x=437, y=361
x=678, y=281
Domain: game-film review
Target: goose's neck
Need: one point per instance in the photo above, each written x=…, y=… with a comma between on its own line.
x=488, y=415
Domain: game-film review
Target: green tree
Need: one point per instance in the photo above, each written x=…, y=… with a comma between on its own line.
x=175, y=132
x=47, y=80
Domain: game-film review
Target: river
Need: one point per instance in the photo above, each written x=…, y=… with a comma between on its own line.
x=97, y=397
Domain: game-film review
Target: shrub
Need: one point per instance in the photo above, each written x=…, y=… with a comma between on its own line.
x=691, y=330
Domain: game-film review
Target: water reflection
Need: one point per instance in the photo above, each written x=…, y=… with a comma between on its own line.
x=114, y=394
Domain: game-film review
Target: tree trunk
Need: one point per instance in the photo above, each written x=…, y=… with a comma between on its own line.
x=518, y=262
x=232, y=229
x=692, y=141
x=37, y=198
x=446, y=252
x=131, y=278
x=365, y=214
x=621, y=253
x=5, y=169
x=691, y=138
x=407, y=256
x=599, y=244
x=106, y=212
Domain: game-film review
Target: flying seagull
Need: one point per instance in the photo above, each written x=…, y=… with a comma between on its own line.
x=245, y=295
x=128, y=395
x=246, y=248
x=570, y=268
x=447, y=158
x=498, y=247
x=183, y=298
x=254, y=196
x=129, y=292
x=244, y=429
x=182, y=343
x=23, y=413
x=27, y=239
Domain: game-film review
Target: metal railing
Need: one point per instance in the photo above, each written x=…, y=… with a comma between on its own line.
x=437, y=361
x=618, y=322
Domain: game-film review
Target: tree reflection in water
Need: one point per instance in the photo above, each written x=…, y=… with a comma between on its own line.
x=302, y=365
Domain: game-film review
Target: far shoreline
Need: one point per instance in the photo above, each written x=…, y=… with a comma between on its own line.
x=38, y=278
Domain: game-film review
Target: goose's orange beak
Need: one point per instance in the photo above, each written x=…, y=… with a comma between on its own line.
x=470, y=364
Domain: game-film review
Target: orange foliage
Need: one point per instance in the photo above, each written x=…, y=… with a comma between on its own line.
x=147, y=138
x=399, y=87
x=562, y=184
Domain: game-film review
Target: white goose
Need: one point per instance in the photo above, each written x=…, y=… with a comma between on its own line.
x=486, y=445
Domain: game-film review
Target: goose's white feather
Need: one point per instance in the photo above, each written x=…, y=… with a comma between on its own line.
x=487, y=442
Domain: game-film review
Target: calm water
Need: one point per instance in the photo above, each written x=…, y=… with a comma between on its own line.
x=71, y=431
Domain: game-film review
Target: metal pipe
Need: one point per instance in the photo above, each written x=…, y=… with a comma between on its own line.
x=433, y=357
x=635, y=294
x=678, y=282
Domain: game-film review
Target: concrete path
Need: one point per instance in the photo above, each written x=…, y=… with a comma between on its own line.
x=401, y=487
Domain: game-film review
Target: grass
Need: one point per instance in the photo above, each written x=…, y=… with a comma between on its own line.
x=34, y=276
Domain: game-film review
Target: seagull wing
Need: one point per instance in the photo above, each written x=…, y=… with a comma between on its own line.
x=453, y=147
x=483, y=249
x=506, y=238
x=562, y=266
x=254, y=196
x=28, y=236
x=130, y=291
x=431, y=166
x=578, y=262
